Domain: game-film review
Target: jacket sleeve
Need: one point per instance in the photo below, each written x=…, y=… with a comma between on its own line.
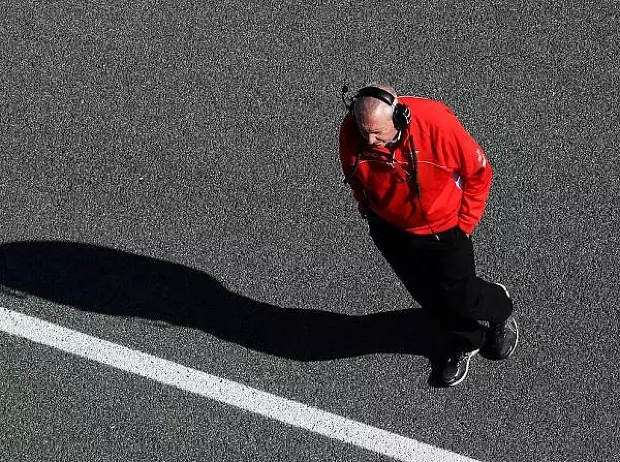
x=347, y=149
x=473, y=168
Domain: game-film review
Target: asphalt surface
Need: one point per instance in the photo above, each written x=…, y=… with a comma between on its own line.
x=158, y=155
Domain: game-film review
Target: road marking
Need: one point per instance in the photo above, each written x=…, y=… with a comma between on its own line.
x=222, y=390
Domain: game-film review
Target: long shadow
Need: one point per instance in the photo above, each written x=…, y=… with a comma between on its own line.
x=104, y=280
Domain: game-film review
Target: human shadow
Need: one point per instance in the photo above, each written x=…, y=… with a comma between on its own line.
x=113, y=282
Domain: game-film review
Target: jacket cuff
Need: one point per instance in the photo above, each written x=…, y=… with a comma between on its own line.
x=468, y=229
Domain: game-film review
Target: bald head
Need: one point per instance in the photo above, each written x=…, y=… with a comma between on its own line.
x=371, y=107
x=374, y=118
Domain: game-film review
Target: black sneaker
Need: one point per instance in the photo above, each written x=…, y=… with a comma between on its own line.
x=453, y=370
x=501, y=339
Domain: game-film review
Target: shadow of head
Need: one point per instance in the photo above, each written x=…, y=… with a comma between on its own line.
x=112, y=282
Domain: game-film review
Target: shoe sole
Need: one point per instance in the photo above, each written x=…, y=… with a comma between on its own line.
x=470, y=355
x=514, y=347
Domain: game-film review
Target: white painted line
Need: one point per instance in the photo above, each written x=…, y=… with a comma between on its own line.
x=225, y=391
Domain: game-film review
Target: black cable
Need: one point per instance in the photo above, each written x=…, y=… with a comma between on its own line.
x=352, y=172
x=415, y=186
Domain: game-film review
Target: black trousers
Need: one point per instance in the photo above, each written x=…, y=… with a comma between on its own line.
x=441, y=276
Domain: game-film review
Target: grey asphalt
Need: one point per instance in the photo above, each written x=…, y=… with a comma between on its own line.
x=197, y=144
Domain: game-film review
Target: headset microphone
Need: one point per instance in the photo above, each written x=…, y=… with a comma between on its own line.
x=345, y=90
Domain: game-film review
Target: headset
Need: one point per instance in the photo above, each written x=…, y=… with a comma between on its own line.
x=401, y=115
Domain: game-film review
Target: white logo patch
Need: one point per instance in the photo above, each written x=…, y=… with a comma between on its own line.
x=481, y=158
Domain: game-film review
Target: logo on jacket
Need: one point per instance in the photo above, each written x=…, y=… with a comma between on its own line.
x=481, y=158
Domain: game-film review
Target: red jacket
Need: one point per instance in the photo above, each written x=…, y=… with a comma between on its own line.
x=453, y=173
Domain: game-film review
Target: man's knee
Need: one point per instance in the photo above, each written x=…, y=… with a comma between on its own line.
x=460, y=297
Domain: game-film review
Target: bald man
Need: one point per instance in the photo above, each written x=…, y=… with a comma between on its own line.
x=422, y=183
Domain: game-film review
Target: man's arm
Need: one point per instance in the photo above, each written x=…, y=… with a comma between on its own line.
x=474, y=169
x=348, y=147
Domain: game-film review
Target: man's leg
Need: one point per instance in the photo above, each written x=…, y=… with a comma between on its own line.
x=440, y=275
x=465, y=298
x=413, y=259
x=405, y=254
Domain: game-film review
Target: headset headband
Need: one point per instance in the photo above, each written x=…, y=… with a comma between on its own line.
x=377, y=93
x=401, y=115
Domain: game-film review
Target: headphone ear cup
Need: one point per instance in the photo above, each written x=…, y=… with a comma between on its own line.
x=402, y=116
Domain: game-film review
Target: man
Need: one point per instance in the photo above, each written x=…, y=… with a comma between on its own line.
x=422, y=183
